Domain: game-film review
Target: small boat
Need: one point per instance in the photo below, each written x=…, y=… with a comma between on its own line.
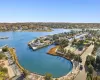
x=4, y=37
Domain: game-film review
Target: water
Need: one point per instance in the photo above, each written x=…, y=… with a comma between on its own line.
x=37, y=61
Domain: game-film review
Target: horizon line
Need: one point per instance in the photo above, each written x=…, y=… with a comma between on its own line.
x=47, y=22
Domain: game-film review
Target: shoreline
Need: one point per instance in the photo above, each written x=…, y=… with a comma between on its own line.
x=64, y=58
x=72, y=73
x=27, y=30
x=37, y=74
x=40, y=75
x=21, y=68
x=12, y=52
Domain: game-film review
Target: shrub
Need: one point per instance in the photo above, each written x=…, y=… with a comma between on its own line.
x=48, y=76
x=89, y=76
x=2, y=56
x=90, y=69
x=5, y=49
x=78, y=58
x=5, y=70
x=90, y=60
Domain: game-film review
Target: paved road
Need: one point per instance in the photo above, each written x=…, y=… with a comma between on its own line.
x=82, y=74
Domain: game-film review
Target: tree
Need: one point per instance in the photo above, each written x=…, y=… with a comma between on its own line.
x=5, y=49
x=90, y=69
x=98, y=62
x=90, y=60
x=41, y=40
x=96, y=78
x=56, y=79
x=2, y=56
x=89, y=76
x=80, y=48
x=57, y=42
x=25, y=73
x=74, y=41
x=71, y=55
x=63, y=43
x=5, y=70
x=98, y=59
x=55, y=37
x=48, y=76
x=80, y=42
x=62, y=50
x=78, y=58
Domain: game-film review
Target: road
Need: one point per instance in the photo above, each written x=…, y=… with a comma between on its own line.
x=82, y=74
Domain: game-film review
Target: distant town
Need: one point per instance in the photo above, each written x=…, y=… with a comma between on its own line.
x=42, y=26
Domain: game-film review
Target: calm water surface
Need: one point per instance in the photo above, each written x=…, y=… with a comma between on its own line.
x=37, y=61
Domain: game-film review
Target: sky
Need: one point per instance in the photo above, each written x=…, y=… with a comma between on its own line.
x=83, y=11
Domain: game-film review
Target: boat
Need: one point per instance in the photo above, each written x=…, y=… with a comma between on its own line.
x=4, y=37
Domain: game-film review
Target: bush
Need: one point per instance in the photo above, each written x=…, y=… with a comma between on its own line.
x=48, y=76
x=5, y=70
x=63, y=43
x=5, y=49
x=96, y=78
x=80, y=48
x=98, y=59
x=78, y=58
x=90, y=60
x=2, y=56
x=90, y=69
x=98, y=62
x=89, y=76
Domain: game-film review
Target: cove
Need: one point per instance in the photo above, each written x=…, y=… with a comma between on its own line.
x=37, y=61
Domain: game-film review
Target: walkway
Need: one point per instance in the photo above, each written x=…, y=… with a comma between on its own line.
x=10, y=70
x=82, y=74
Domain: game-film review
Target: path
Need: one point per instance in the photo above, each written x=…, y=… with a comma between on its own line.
x=10, y=70
x=82, y=74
